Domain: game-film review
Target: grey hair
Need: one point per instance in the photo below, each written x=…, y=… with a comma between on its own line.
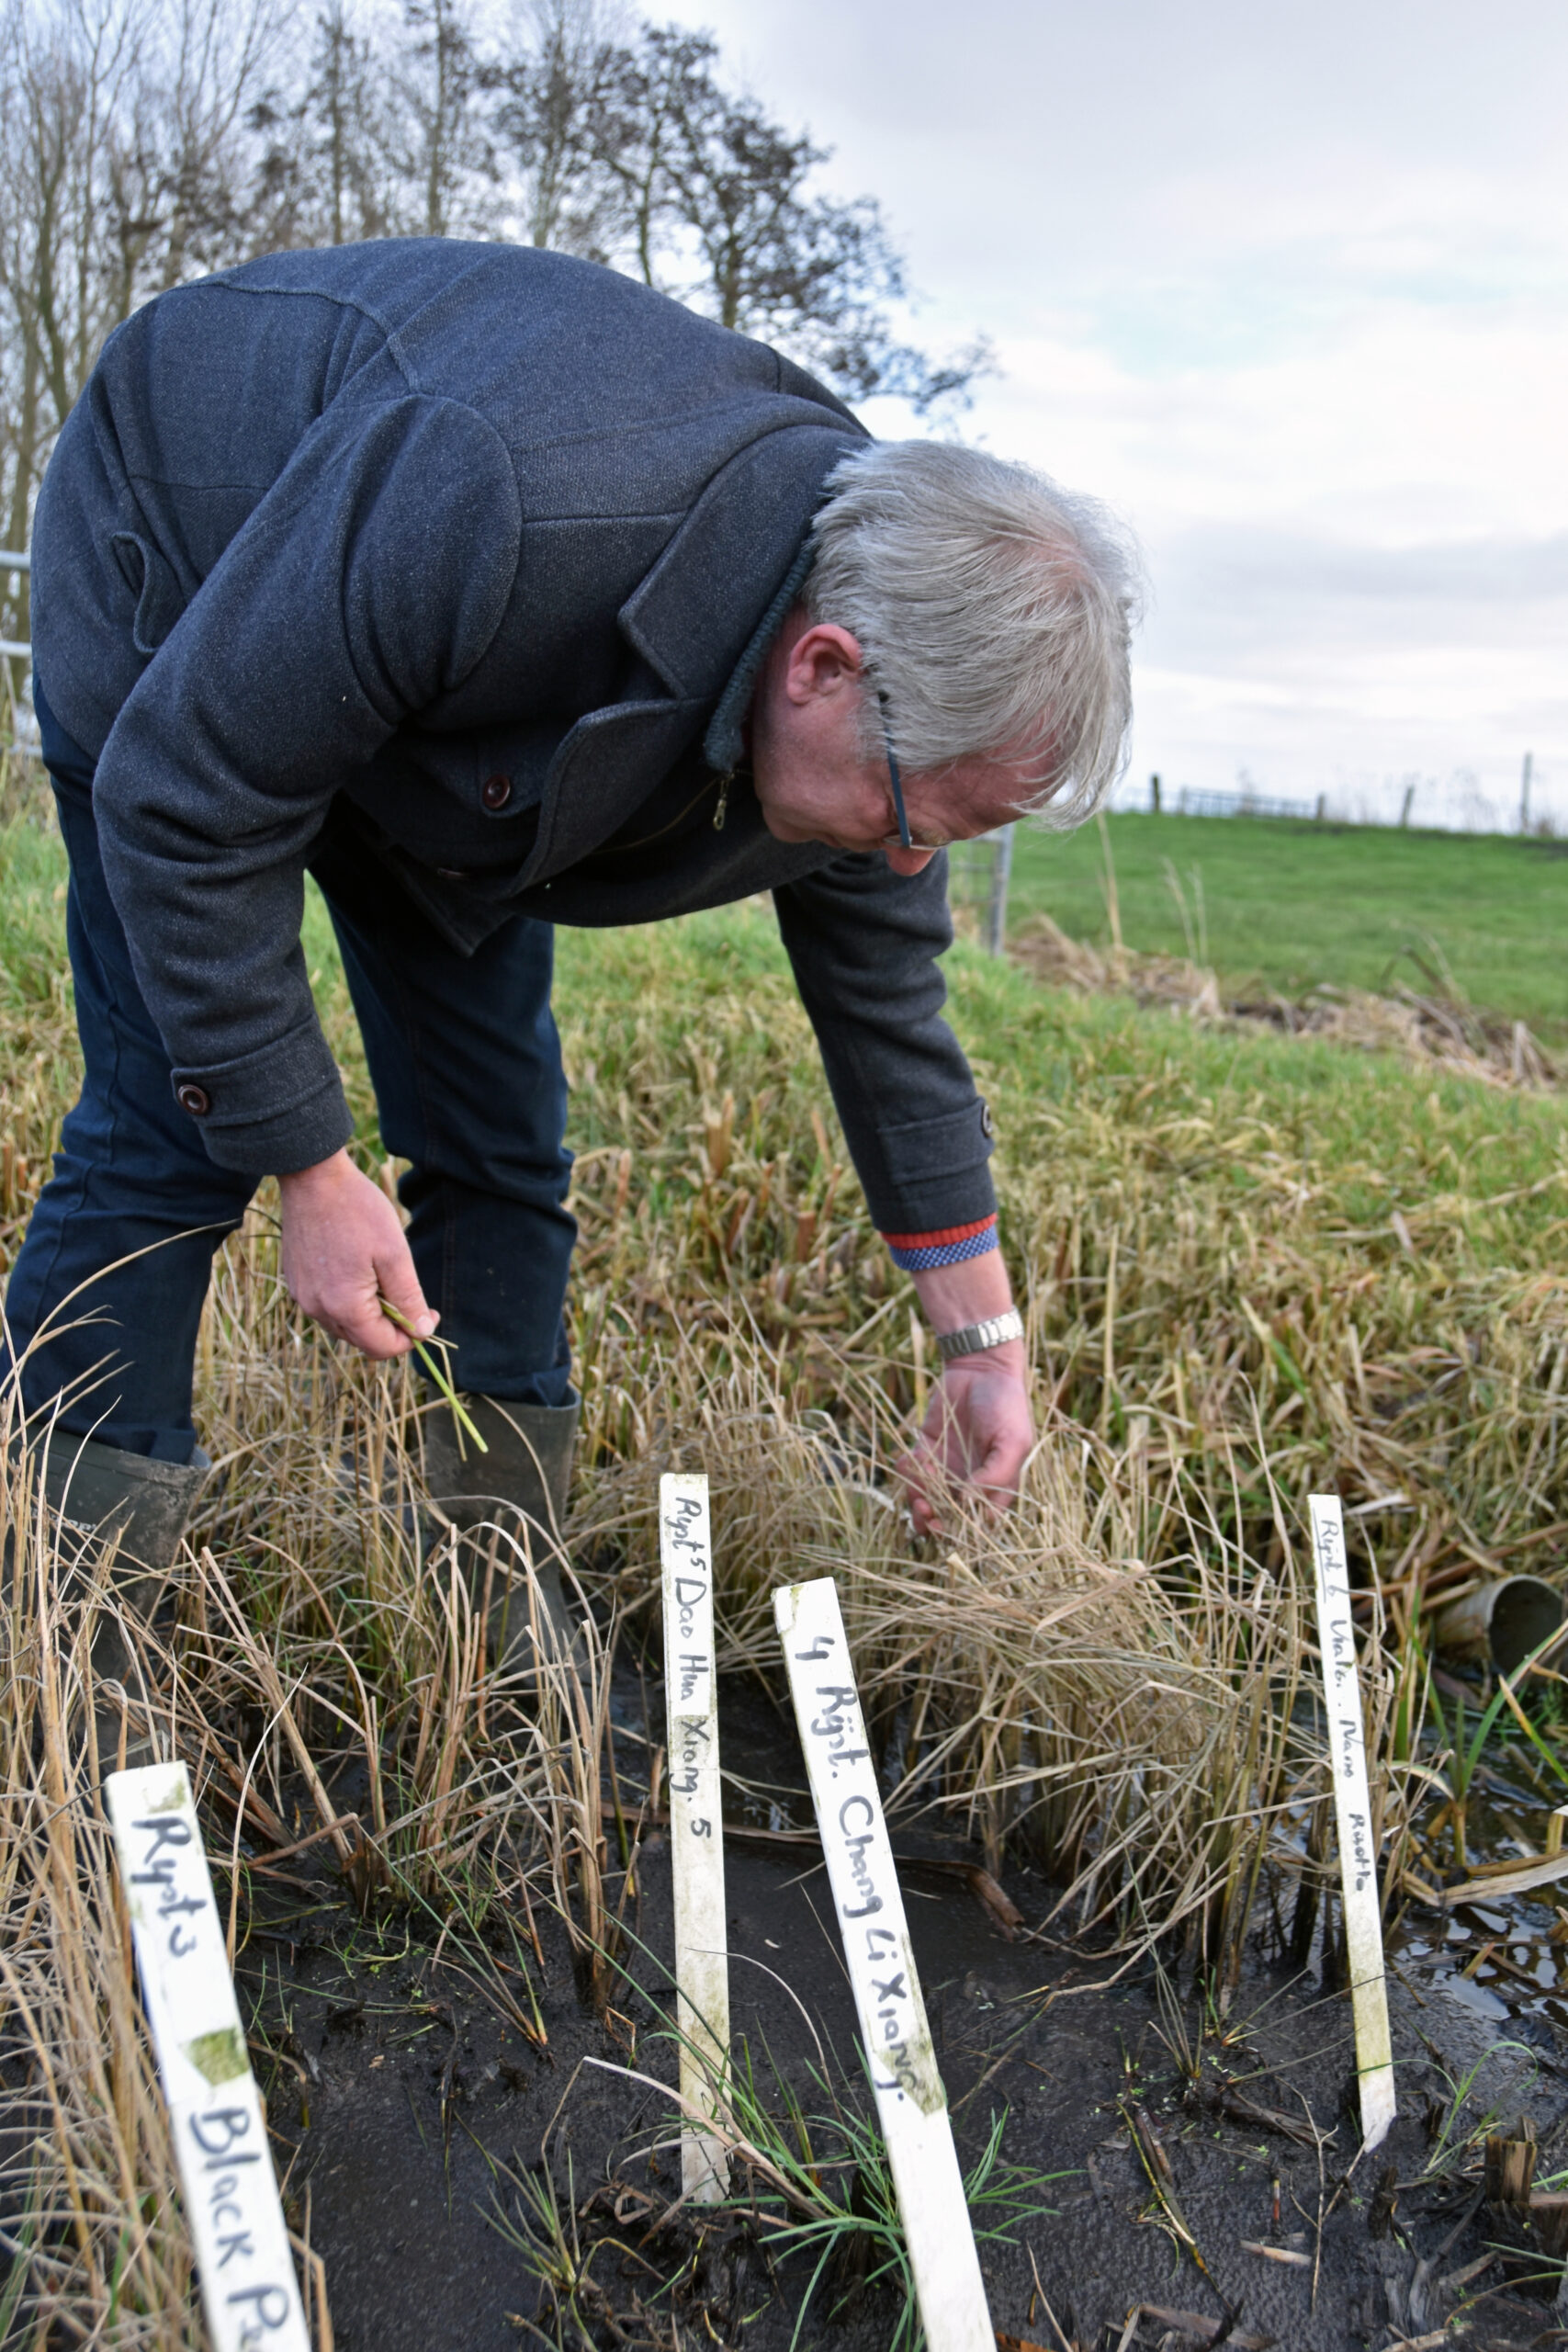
x=993, y=609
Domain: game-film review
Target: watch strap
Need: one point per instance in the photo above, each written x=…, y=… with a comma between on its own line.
x=994, y=1331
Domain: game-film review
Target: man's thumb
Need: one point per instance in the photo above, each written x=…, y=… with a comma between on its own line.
x=399, y=1287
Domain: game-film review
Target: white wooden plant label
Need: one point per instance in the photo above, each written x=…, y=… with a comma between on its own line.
x=911, y=2101
x=696, y=1826
x=1352, y=1805
x=248, y=2288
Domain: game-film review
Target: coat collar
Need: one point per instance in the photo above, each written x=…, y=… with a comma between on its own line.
x=724, y=744
x=707, y=607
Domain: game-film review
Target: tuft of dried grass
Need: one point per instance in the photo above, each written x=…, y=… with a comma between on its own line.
x=93, y=2240
x=1100, y=1677
x=1292, y=1268
x=314, y=1647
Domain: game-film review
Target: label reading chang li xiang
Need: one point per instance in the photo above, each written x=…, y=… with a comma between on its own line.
x=911, y=2101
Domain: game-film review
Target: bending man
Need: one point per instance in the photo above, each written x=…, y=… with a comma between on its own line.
x=497, y=591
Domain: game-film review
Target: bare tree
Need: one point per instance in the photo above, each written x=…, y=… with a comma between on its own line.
x=144, y=142
x=327, y=171
x=178, y=146
x=552, y=100
x=445, y=153
x=61, y=83
x=630, y=148
x=124, y=168
x=717, y=207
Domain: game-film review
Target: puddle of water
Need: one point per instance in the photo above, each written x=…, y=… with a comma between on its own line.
x=1473, y=1995
x=1505, y=1957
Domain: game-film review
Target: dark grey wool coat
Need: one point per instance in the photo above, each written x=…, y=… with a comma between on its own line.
x=468, y=553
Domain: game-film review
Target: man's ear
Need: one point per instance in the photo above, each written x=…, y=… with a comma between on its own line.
x=823, y=660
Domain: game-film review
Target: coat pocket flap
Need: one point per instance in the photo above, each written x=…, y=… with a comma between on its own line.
x=159, y=602
x=608, y=765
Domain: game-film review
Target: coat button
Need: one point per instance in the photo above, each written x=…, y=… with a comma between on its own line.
x=496, y=791
x=988, y=1125
x=194, y=1099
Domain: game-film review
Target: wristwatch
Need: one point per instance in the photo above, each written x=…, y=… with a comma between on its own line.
x=975, y=1337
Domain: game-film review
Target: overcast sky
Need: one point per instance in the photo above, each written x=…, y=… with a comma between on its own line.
x=1289, y=287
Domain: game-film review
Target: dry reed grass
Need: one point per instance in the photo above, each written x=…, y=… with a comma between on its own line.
x=312, y=1652
x=1289, y=1281
x=1103, y=1679
x=95, y=2248
x=1224, y=1313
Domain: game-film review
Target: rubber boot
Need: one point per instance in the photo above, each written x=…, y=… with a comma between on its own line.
x=99, y=1494
x=519, y=1487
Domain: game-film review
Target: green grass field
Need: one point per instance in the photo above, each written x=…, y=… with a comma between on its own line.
x=1286, y=905
x=1082, y=1088
x=711, y=996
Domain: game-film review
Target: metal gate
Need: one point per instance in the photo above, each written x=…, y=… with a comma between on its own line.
x=18, y=727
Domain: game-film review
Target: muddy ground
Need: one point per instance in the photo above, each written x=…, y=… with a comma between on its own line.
x=1201, y=2165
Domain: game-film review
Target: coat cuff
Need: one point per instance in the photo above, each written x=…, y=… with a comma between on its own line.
x=269, y=1113
x=951, y=1244
x=929, y=1176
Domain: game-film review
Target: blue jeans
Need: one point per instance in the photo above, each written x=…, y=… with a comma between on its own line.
x=465, y=1059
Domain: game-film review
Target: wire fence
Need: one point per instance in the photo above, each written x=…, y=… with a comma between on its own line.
x=1191, y=802
x=15, y=567
x=978, y=872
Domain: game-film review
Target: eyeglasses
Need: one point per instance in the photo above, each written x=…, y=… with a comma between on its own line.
x=905, y=838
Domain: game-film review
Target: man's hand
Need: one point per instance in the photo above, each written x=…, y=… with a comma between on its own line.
x=979, y=1426
x=977, y=1432
x=343, y=1251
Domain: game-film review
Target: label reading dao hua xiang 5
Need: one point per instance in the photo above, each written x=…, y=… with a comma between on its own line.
x=696, y=1827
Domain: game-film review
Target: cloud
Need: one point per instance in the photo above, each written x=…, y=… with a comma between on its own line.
x=1288, y=288
x=1220, y=566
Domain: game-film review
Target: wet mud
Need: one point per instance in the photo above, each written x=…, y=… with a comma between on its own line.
x=429, y=2108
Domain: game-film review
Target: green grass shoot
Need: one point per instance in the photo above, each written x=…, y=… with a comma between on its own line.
x=437, y=1370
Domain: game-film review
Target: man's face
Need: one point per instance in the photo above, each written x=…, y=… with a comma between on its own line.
x=814, y=784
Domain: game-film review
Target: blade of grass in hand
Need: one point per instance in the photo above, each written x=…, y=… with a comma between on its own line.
x=437, y=1368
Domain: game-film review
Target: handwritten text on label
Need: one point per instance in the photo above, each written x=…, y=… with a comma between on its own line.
x=1357, y=1854
x=911, y=2104
x=248, y=2290
x=696, y=1823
